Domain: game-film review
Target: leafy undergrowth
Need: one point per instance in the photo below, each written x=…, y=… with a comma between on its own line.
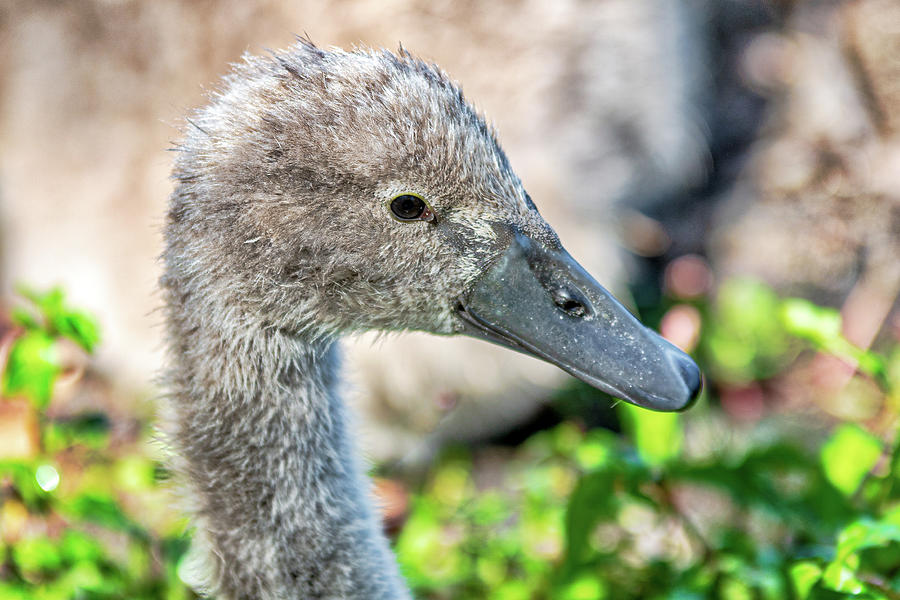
x=794, y=501
x=582, y=515
x=82, y=515
x=693, y=505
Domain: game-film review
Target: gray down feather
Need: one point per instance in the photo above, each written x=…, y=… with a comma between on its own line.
x=279, y=239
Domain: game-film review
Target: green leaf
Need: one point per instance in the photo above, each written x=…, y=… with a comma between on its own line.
x=593, y=500
x=77, y=547
x=783, y=480
x=89, y=429
x=881, y=559
x=820, y=592
x=732, y=588
x=745, y=339
x=103, y=510
x=586, y=586
x=843, y=573
x=848, y=455
x=32, y=368
x=429, y=555
x=593, y=453
x=657, y=435
x=866, y=533
x=512, y=590
x=23, y=477
x=870, y=363
x=36, y=555
x=79, y=327
x=818, y=324
x=48, y=304
x=822, y=327
x=14, y=591
x=62, y=320
x=840, y=575
x=24, y=318
x=135, y=473
x=804, y=576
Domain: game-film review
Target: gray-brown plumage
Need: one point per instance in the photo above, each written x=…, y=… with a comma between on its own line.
x=280, y=237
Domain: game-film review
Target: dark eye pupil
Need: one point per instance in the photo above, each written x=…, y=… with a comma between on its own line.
x=408, y=206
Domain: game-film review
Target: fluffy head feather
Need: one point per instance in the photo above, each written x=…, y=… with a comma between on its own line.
x=280, y=216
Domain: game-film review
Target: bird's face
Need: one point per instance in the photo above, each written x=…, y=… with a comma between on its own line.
x=364, y=193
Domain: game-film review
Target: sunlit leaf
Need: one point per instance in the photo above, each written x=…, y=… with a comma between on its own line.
x=14, y=591
x=430, y=553
x=732, y=588
x=818, y=324
x=451, y=484
x=135, y=473
x=76, y=546
x=491, y=569
x=657, y=435
x=870, y=363
x=62, y=320
x=593, y=452
x=822, y=327
x=804, y=576
x=80, y=328
x=23, y=476
x=745, y=339
x=37, y=555
x=86, y=576
x=32, y=367
x=566, y=438
x=585, y=587
x=866, y=533
x=840, y=575
x=848, y=455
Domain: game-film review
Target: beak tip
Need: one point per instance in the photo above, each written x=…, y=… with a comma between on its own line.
x=692, y=378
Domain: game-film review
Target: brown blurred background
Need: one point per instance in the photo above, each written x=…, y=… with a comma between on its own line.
x=752, y=137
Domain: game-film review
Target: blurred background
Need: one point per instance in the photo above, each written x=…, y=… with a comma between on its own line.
x=730, y=168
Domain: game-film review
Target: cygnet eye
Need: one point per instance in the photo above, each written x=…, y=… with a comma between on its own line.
x=408, y=207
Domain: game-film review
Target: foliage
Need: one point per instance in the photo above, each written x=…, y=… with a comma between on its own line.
x=676, y=506
x=73, y=510
x=586, y=514
x=33, y=362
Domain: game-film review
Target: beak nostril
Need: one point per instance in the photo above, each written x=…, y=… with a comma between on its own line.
x=573, y=307
x=567, y=301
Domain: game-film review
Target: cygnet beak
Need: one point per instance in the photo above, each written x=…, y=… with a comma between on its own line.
x=540, y=301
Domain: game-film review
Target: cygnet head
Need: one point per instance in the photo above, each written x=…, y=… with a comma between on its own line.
x=324, y=192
